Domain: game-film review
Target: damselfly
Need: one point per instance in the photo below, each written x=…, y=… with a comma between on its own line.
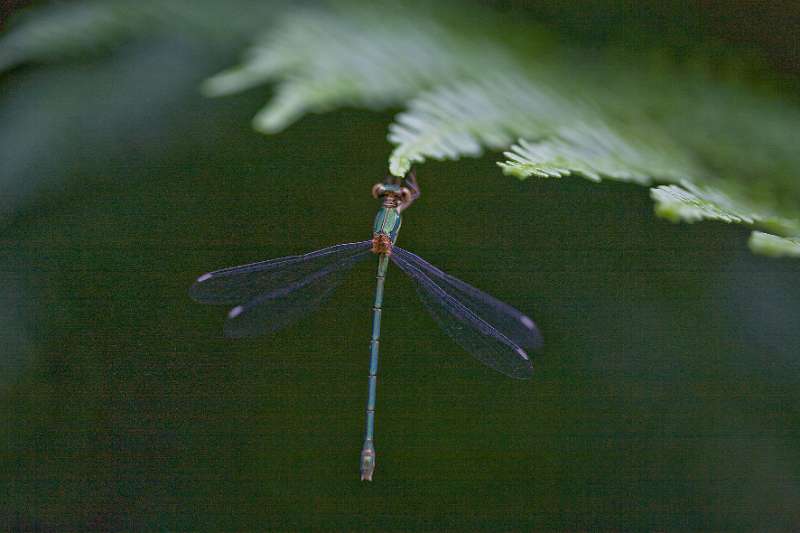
x=270, y=295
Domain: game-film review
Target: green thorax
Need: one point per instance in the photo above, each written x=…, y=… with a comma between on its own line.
x=387, y=222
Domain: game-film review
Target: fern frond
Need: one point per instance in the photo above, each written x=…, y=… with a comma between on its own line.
x=724, y=152
x=464, y=95
x=773, y=246
x=63, y=30
x=365, y=55
x=595, y=152
x=463, y=119
x=691, y=203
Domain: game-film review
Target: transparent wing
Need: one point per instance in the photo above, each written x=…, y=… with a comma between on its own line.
x=277, y=309
x=280, y=291
x=461, y=319
x=239, y=284
x=519, y=328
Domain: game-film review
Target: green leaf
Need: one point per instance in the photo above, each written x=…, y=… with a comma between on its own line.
x=59, y=31
x=462, y=119
x=597, y=152
x=690, y=203
x=363, y=55
x=774, y=246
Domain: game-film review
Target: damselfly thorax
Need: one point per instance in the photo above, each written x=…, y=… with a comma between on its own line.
x=395, y=197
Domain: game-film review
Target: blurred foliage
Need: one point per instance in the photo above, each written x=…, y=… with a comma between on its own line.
x=766, y=244
x=60, y=30
x=470, y=79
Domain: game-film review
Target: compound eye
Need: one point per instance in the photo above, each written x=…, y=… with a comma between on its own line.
x=405, y=195
x=378, y=190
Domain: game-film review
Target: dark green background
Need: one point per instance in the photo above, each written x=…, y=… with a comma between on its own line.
x=666, y=396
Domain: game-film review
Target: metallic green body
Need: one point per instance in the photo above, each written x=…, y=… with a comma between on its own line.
x=387, y=222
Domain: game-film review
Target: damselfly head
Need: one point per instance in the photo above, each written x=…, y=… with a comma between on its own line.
x=397, y=192
x=380, y=190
